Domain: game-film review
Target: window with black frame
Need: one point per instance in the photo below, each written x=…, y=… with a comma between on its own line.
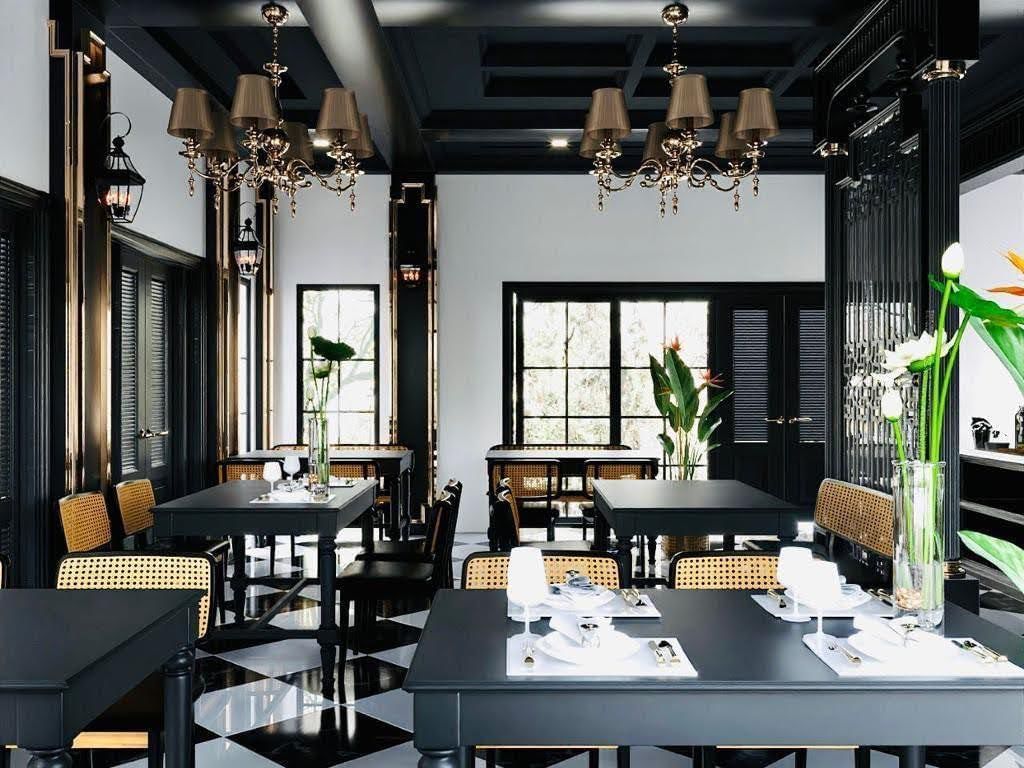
x=348, y=313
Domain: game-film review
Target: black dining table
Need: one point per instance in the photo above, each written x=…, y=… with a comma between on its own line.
x=66, y=656
x=228, y=510
x=393, y=466
x=757, y=684
x=570, y=460
x=688, y=508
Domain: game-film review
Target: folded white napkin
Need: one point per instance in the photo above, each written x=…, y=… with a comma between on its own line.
x=568, y=624
x=901, y=632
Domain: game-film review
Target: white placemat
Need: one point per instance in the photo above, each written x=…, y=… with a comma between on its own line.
x=291, y=497
x=962, y=664
x=871, y=608
x=616, y=608
x=640, y=664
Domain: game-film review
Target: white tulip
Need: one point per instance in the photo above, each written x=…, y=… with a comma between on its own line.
x=908, y=353
x=953, y=261
x=892, y=405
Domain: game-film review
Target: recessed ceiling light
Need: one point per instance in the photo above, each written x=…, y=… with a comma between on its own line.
x=559, y=143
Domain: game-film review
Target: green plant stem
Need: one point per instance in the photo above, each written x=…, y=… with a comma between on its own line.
x=940, y=333
x=897, y=433
x=922, y=411
x=948, y=374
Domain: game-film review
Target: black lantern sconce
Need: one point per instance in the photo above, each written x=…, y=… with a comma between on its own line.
x=119, y=185
x=247, y=248
x=411, y=274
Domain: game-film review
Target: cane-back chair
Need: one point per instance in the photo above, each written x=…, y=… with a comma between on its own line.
x=489, y=570
x=85, y=521
x=734, y=570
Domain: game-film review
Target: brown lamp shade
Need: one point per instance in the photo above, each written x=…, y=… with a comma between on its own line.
x=362, y=147
x=755, y=116
x=689, y=107
x=254, y=105
x=608, y=117
x=656, y=134
x=221, y=145
x=299, y=145
x=339, y=115
x=729, y=147
x=190, y=115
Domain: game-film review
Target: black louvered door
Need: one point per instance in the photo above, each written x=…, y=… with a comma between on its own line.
x=8, y=234
x=771, y=352
x=141, y=403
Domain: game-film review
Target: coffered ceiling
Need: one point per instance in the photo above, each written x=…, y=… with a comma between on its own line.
x=484, y=86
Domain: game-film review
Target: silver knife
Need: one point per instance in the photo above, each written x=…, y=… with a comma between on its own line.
x=658, y=655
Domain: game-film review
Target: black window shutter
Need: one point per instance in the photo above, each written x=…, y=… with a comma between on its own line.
x=6, y=390
x=811, y=384
x=750, y=375
x=129, y=371
x=157, y=373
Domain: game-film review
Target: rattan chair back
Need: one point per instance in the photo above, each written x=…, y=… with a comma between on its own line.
x=135, y=502
x=616, y=469
x=85, y=521
x=529, y=479
x=359, y=470
x=140, y=570
x=241, y=470
x=734, y=570
x=861, y=515
x=489, y=570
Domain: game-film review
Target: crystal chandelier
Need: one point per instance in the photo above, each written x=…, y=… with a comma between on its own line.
x=669, y=157
x=276, y=151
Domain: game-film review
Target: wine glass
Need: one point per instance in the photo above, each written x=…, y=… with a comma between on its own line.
x=527, y=582
x=792, y=563
x=271, y=473
x=292, y=467
x=821, y=588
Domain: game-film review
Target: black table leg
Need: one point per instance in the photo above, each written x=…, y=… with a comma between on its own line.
x=178, y=713
x=327, y=637
x=238, y=579
x=367, y=525
x=405, y=484
x=624, y=554
x=441, y=758
x=729, y=542
x=50, y=758
x=912, y=757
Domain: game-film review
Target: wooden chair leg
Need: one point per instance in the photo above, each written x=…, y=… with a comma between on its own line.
x=343, y=634
x=703, y=757
x=220, y=577
x=5, y=757
x=593, y=758
x=292, y=551
x=273, y=553
x=155, y=750
x=652, y=548
x=491, y=758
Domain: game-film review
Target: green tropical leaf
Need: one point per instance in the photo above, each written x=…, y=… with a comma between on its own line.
x=1007, y=557
x=666, y=444
x=322, y=371
x=681, y=380
x=967, y=300
x=1007, y=344
x=335, y=351
x=711, y=446
x=663, y=393
x=706, y=426
x=714, y=401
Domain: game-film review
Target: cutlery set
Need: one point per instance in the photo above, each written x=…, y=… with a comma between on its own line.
x=983, y=652
x=632, y=597
x=664, y=653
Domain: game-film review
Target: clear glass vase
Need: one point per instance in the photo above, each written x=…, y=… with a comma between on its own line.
x=918, y=489
x=319, y=458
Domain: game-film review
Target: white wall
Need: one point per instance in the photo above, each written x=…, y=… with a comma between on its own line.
x=25, y=73
x=545, y=228
x=991, y=221
x=328, y=243
x=166, y=212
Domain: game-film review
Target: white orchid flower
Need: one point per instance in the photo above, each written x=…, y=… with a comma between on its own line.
x=892, y=405
x=953, y=261
x=889, y=379
x=914, y=355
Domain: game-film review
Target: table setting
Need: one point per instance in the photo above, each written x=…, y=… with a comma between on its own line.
x=582, y=640
x=294, y=490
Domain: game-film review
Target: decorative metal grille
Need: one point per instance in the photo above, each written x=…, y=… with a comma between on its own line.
x=882, y=291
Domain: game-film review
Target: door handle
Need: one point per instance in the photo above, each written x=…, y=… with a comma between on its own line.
x=779, y=420
x=147, y=433
x=800, y=420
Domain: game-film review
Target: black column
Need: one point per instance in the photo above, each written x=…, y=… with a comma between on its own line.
x=835, y=331
x=941, y=221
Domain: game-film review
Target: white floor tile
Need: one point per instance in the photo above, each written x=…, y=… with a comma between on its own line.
x=393, y=707
x=402, y=756
x=262, y=568
x=254, y=705
x=400, y=656
x=275, y=659
x=306, y=618
x=417, y=619
x=253, y=590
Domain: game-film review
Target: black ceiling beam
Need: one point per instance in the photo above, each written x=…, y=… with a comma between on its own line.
x=563, y=119
x=718, y=85
x=641, y=53
x=354, y=44
x=732, y=54
x=541, y=87
x=544, y=54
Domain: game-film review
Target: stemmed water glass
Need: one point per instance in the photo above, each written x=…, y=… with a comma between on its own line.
x=527, y=582
x=292, y=467
x=793, y=561
x=271, y=473
x=821, y=588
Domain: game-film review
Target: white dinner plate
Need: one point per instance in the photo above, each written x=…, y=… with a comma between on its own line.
x=853, y=596
x=914, y=651
x=580, y=602
x=614, y=646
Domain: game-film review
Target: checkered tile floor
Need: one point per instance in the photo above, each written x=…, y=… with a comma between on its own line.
x=262, y=706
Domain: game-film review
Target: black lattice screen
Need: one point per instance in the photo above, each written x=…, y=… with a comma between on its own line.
x=882, y=291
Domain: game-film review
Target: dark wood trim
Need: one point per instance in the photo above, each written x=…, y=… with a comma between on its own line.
x=32, y=422
x=299, y=331
x=993, y=139
x=154, y=248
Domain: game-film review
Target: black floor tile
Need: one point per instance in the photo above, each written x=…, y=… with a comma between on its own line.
x=218, y=673
x=532, y=758
x=321, y=739
x=219, y=645
x=384, y=636
x=257, y=605
x=363, y=676
x=389, y=608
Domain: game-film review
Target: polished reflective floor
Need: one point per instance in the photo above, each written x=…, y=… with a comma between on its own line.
x=262, y=706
